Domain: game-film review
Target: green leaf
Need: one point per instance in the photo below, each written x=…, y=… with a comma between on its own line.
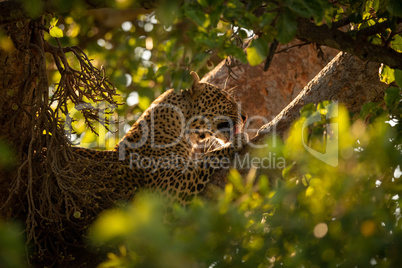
x=307, y=8
x=161, y=71
x=199, y=60
x=387, y=74
x=34, y=8
x=391, y=97
x=397, y=43
x=395, y=8
x=267, y=18
x=287, y=171
x=286, y=26
x=372, y=4
x=56, y=32
x=167, y=12
x=203, y=3
x=367, y=108
x=53, y=21
x=236, y=52
x=198, y=16
x=398, y=77
x=257, y=51
x=308, y=110
x=243, y=34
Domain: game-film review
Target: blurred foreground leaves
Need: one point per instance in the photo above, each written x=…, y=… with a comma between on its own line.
x=319, y=215
x=12, y=246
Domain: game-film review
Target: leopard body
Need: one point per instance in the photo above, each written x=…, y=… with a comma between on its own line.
x=158, y=152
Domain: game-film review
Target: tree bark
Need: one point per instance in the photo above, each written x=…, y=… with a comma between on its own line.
x=359, y=46
x=345, y=79
x=18, y=72
x=263, y=95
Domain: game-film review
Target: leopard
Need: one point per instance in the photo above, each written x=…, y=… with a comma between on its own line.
x=163, y=150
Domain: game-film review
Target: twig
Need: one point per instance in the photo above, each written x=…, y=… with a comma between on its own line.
x=289, y=48
x=271, y=53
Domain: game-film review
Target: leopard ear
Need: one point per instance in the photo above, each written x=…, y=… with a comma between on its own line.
x=196, y=88
x=195, y=76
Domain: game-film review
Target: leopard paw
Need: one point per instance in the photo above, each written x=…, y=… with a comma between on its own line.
x=239, y=141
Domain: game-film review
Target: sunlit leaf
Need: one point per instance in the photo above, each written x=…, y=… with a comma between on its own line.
x=6, y=43
x=56, y=32
x=397, y=43
x=387, y=74
x=257, y=51
x=53, y=21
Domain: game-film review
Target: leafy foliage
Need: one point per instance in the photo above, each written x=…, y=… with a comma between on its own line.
x=12, y=246
x=317, y=216
x=147, y=51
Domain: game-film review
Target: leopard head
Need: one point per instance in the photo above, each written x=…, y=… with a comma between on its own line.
x=214, y=112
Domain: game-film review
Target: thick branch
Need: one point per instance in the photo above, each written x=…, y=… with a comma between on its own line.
x=361, y=48
x=346, y=79
x=263, y=95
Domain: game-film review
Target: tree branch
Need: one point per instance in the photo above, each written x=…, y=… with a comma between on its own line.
x=343, y=79
x=334, y=38
x=372, y=30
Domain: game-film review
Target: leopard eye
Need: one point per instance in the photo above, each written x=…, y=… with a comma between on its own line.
x=244, y=118
x=224, y=126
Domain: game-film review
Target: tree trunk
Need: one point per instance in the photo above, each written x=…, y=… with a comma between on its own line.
x=19, y=68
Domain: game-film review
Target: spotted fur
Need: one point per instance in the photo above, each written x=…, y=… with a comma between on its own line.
x=205, y=110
